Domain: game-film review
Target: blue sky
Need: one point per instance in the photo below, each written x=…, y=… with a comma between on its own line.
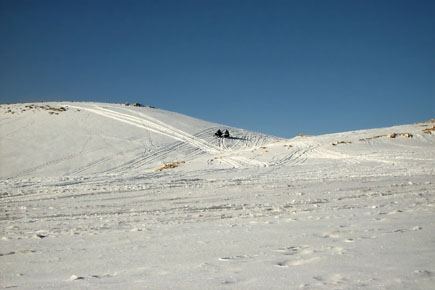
x=278, y=67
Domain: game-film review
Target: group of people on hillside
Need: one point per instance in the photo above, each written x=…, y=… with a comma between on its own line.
x=219, y=134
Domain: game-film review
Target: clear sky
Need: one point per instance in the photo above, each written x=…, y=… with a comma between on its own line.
x=278, y=67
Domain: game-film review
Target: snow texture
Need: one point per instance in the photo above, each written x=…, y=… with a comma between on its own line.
x=106, y=196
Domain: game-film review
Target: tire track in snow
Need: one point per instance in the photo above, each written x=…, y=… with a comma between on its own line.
x=329, y=154
x=143, y=159
x=350, y=159
x=54, y=162
x=296, y=157
x=90, y=165
x=147, y=157
x=221, y=147
x=169, y=131
x=156, y=126
x=236, y=161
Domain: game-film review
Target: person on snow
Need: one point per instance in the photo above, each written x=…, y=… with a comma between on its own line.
x=226, y=134
x=218, y=133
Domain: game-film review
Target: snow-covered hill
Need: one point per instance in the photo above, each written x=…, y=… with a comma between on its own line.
x=84, y=138
x=101, y=196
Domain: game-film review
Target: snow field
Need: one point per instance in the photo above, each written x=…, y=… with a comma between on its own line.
x=82, y=206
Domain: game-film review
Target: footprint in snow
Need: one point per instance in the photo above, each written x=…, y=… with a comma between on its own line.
x=333, y=278
x=74, y=278
x=282, y=264
x=332, y=235
x=337, y=250
x=77, y=278
x=41, y=234
x=239, y=257
x=299, y=262
x=417, y=228
x=424, y=273
x=293, y=250
x=301, y=256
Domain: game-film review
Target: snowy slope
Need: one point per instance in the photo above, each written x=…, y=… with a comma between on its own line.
x=106, y=138
x=88, y=203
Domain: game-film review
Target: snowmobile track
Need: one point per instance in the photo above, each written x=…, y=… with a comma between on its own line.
x=156, y=126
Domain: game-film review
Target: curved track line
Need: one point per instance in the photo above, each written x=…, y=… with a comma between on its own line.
x=159, y=127
x=222, y=147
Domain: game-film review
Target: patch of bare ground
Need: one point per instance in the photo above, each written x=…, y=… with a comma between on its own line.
x=170, y=165
x=429, y=130
x=340, y=142
x=263, y=148
x=303, y=135
x=51, y=110
x=391, y=135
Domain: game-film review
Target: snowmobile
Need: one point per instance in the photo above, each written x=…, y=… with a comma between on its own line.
x=218, y=133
